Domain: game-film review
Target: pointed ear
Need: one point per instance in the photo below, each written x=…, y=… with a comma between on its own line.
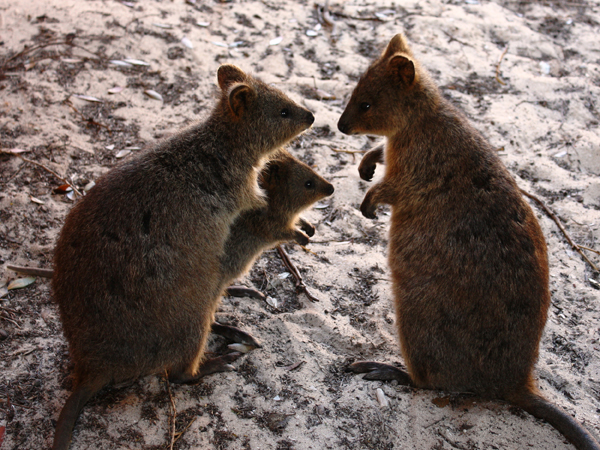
x=402, y=69
x=241, y=97
x=270, y=174
x=229, y=74
x=398, y=44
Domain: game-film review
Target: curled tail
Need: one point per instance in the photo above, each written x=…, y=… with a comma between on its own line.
x=70, y=412
x=541, y=408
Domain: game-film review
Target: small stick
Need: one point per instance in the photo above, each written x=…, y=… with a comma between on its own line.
x=575, y=247
x=589, y=249
x=300, y=286
x=498, y=67
x=43, y=167
x=173, y=409
x=185, y=429
x=350, y=152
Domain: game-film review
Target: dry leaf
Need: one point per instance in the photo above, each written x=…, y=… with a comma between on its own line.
x=272, y=302
x=16, y=150
x=381, y=398
x=242, y=348
x=163, y=25
x=115, y=90
x=203, y=24
x=88, y=98
x=118, y=62
x=136, y=62
x=220, y=44
x=71, y=60
x=63, y=189
x=88, y=186
x=123, y=154
x=36, y=200
x=21, y=283
x=276, y=41
x=185, y=41
x=153, y=94
x=110, y=147
x=311, y=33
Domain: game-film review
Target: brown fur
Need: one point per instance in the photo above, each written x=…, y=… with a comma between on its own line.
x=467, y=256
x=137, y=263
x=291, y=186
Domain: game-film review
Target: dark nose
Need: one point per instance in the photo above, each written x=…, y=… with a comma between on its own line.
x=329, y=189
x=343, y=127
x=310, y=118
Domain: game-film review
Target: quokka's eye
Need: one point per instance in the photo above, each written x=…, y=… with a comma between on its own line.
x=364, y=106
x=309, y=184
x=285, y=112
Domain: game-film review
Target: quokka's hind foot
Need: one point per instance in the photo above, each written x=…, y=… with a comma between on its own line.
x=380, y=371
x=243, y=291
x=235, y=334
x=212, y=365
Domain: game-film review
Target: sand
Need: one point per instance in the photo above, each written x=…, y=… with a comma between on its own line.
x=539, y=107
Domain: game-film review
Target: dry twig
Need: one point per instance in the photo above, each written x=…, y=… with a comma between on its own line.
x=498, y=67
x=174, y=415
x=300, y=286
x=27, y=160
x=575, y=247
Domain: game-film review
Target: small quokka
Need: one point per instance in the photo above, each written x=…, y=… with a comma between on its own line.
x=137, y=273
x=467, y=256
x=291, y=187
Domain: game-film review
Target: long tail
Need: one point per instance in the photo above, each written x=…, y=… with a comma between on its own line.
x=70, y=412
x=541, y=408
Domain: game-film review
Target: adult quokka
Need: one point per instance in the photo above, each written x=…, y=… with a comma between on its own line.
x=137, y=265
x=467, y=256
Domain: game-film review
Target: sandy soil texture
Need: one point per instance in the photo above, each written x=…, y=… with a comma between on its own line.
x=526, y=73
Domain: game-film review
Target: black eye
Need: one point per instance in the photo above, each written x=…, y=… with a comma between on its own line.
x=364, y=106
x=285, y=112
x=309, y=184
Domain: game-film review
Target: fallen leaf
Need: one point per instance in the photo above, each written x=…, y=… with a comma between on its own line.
x=89, y=98
x=185, y=41
x=16, y=150
x=115, y=90
x=110, y=147
x=122, y=154
x=242, y=348
x=203, y=24
x=36, y=200
x=153, y=94
x=21, y=283
x=311, y=33
x=294, y=366
x=381, y=398
x=136, y=62
x=3, y=293
x=163, y=25
x=71, y=60
x=63, y=189
x=276, y=41
x=118, y=62
x=220, y=44
x=88, y=186
x=272, y=301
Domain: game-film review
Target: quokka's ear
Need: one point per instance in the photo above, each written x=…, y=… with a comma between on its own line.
x=241, y=97
x=270, y=174
x=398, y=44
x=229, y=74
x=402, y=69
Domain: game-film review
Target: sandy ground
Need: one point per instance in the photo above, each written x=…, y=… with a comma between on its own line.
x=541, y=110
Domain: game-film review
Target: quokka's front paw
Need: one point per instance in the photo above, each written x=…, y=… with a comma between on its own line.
x=366, y=171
